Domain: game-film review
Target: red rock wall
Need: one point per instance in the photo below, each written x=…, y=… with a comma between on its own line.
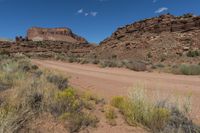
x=164, y=23
x=54, y=34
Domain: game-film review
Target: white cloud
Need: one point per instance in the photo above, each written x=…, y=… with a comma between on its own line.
x=80, y=11
x=162, y=9
x=86, y=14
x=93, y=14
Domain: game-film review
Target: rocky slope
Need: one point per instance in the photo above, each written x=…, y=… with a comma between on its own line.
x=45, y=47
x=54, y=34
x=162, y=38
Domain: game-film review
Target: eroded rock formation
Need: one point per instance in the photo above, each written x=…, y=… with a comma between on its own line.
x=54, y=34
x=163, y=23
x=160, y=38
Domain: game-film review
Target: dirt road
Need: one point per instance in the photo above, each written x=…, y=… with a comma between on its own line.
x=109, y=82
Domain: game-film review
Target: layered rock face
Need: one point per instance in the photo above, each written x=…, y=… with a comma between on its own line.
x=164, y=23
x=166, y=36
x=54, y=34
x=45, y=48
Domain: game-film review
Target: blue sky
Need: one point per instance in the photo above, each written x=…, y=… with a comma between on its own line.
x=93, y=19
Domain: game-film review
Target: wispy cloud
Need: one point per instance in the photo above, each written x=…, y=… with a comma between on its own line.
x=162, y=9
x=91, y=13
x=80, y=11
x=86, y=14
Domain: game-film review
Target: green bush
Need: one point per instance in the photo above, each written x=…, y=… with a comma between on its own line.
x=60, y=81
x=65, y=101
x=117, y=101
x=189, y=69
x=136, y=65
x=193, y=53
x=72, y=59
x=108, y=63
x=80, y=120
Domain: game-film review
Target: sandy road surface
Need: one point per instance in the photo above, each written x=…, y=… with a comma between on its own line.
x=109, y=82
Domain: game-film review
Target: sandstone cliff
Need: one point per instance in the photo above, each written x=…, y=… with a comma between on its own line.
x=54, y=34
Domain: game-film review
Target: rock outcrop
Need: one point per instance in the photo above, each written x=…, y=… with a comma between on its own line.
x=45, y=47
x=163, y=23
x=54, y=34
x=166, y=37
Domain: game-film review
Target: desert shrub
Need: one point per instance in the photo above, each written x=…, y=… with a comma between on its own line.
x=43, y=92
x=193, y=53
x=188, y=69
x=9, y=72
x=79, y=121
x=136, y=109
x=13, y=120
x=59, y=81
x=4, y=52
x=24, y=101
x=110, y=63
x=107, y=63
x=89, y=100
x=72, y=59
x=61, y=57
x=35, y=100
x=117, y=101
x=26, y=66
x=110, y=115
x=34, y=67
x=84, y=61
x=37, y=73
x=159, y=117
x=160, y=65
x=153, y=67
x=65, y=101
x=136, y=65
x=68, y=106
x=88, y=96
x=178, y=122
x=95, y=61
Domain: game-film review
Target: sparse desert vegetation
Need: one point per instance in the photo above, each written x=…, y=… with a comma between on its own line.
x=158, y=116
x=47, y=92
x=28, y=92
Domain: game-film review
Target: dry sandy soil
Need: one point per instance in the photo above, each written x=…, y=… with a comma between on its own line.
x=109, y=82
